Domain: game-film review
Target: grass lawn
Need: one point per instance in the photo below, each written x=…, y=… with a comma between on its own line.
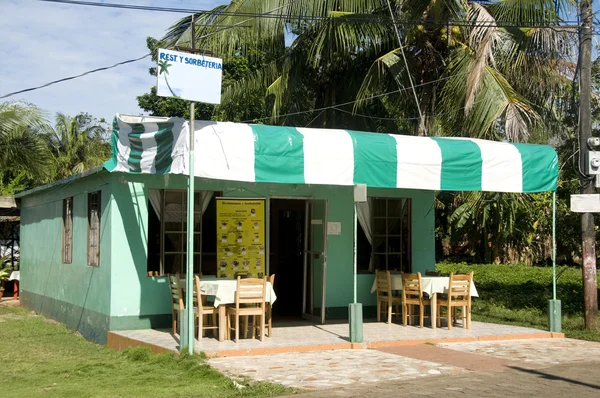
x=518, y=295
x=42, y=357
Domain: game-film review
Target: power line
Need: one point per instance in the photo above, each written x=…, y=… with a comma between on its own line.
x=374, y=117
x=192, y=11
x=75, y=76
x=354, y=17
x=336, y=106
x=112, y=66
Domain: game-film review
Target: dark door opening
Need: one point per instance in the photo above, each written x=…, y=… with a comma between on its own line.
x=286, y=257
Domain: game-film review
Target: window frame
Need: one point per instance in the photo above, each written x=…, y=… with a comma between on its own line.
x=67, y=231
x=387, y=235
x=182, y=232
x=93, y=259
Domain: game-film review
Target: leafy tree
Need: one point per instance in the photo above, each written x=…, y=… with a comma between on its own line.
x=77, y=144
x=474, y=73
x=24, y=158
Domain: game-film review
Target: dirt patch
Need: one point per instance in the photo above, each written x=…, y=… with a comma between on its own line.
x=9, y=302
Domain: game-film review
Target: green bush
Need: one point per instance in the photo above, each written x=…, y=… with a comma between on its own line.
x=518, y=287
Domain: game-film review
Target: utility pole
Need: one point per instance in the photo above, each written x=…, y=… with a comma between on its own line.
x=588, y=234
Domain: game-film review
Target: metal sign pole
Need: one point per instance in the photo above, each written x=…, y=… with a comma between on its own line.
x=554, y=245
x=189, y=272
x=355, y=260
x=355, y=315
x=554, y=305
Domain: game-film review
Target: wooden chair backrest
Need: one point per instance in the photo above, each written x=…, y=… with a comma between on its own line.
x=384, y=283
x=176, y=292
x=432, y=273
x=198, y=292
x=411, y=286
x=459, y=287
x=250, y=291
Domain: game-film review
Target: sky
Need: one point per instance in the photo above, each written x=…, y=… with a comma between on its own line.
x=42, y=42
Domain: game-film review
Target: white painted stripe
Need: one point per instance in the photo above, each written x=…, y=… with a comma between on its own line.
x=419, y=162
x=328, y=157
x=148, y=148
x=224, y=151
x=501, y=169
x=123, y=147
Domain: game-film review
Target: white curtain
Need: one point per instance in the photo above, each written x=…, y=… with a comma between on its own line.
x=363, y=213
x=154, y=197
x=205, y=197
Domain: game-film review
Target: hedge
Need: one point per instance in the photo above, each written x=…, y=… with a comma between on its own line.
x=521, y=286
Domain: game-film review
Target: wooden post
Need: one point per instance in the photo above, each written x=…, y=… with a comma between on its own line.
x=588, y=234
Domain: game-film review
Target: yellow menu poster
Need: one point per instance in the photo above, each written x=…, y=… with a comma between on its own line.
x=240, y=237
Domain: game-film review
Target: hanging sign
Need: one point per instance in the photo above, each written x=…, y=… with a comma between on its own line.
x=189, y=76
x=240, y=237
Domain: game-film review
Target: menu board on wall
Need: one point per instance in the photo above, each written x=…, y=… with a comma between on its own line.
x=240, y=237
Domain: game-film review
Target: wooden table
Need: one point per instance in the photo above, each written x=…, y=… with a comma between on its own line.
x=432, y=285
x=224, y=292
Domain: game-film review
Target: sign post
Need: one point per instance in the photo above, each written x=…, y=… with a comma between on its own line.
x=554, y=305
x=193, y=77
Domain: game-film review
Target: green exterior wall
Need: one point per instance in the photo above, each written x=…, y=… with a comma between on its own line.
x=138, y=300
x=75, y=294
x=118, y=295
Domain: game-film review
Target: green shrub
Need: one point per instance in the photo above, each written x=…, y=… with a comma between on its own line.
x=522, y=287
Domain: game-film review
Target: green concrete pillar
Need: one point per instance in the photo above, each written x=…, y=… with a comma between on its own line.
x=554, y=316
x=183, y=331
x=356, y=322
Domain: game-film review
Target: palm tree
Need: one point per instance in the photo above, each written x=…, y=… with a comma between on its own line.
x=476, y=70
x=77, y=144
x=23, y=156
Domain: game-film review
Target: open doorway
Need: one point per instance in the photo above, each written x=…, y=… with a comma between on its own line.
x=286, y=256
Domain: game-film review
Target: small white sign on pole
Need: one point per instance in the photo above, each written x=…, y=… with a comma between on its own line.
x=589, y=203
x=189, y=76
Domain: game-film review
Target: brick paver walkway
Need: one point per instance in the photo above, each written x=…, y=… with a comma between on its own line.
x=329, y=369
x=539, y=352
x=581, y=380
x=505, y=368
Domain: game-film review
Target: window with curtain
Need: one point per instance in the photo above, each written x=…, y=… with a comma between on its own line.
x=67, y=216
x=94, y=211
x=384, y=235
x=167, y=231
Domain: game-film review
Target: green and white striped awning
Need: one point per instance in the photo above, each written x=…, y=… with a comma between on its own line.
x=294, y=155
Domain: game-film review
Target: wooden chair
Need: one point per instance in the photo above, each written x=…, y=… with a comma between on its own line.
x=249, y=301
x=432, y=273
x=176, y=299
x=201, y=309
x=412, y=294
x=385, y=299
x=459, y=295
x=270, y=309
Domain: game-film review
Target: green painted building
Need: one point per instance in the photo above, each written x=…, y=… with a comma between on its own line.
x=95, y=248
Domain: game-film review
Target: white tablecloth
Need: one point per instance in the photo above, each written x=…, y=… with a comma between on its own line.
x=430, y=284
x=224, y=290
x=15, y=276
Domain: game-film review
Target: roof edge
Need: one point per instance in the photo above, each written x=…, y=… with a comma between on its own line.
x=68, y=180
